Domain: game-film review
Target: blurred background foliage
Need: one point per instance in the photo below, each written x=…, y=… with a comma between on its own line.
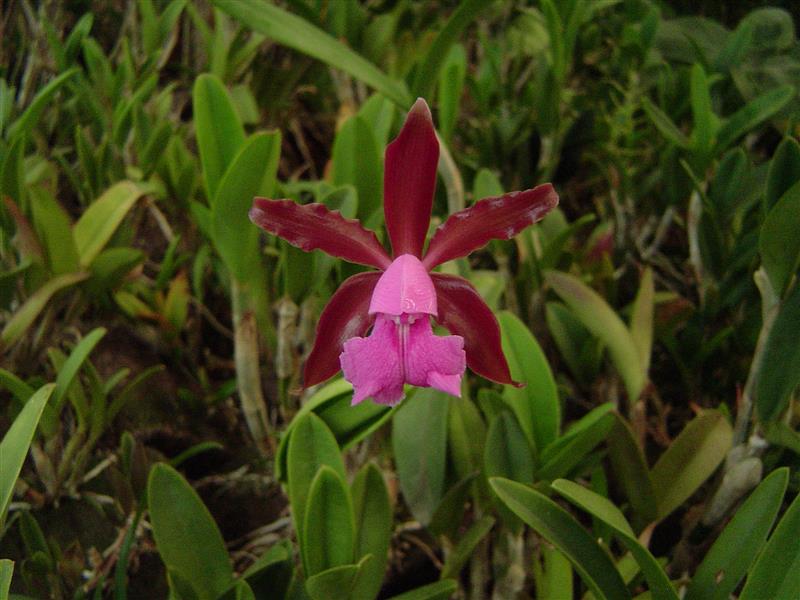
x=156, y=438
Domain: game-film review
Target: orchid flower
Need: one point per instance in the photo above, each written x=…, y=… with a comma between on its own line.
x=399, y=300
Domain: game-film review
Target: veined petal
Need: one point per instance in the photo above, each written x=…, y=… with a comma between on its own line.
x=432, y=360
x=498, y=218
x=344, y=317
x=311, y=226
x=405, y=287
x=463, y=312
x=374, y=364
x=409, y=181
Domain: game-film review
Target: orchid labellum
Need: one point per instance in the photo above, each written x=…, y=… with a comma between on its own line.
x=398, y=301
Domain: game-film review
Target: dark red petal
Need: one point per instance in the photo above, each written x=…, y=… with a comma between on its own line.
x=344, y=317
x=409, y=180
x=498, y=218
x=311, y=226
x=463, y=312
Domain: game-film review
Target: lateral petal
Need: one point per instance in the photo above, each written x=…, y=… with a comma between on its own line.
x=497, y=218
x=311, y=226
x=409, y=181
x=463, y=312
x=344, y=317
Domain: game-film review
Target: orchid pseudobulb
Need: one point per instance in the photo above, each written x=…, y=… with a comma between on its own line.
x=398, y=301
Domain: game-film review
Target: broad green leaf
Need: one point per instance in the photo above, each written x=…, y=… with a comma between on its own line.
x=450, y=513
x=702, y=114
x=28, y=119
x=297, y=33
x=536, y=405
x=691, y=459
x=328, y=527
x=69, y=370
x=21, y=390
x=357, y=161
x=784, y=171
x=378, y=112
x=599, y=318
x=186, y=535
x=582, y=351
x=466, y=436
x=419, y=441
x=740, y=542
x=12, y=173
x=463, y=550
x=54, y=231
x=251, y=172
x=336, y=582
x=27, y=313
x=311, y=446
x=641, y=325
x=6, y=573
x=608, y=513
x=441, y=590
x=553, y=574
x=631, y=470
x=219, y=132
x=428, y=71
x=776, y=572
x=664, y=124
x=507, y=453
x=753, y=114
x=778, y=372
x=569, y=450
x=15, y=444
x=451, y=86
x=779, y=242
x=373, y=518
x=349, y=424
x=559, y=528
x=99, y=222
x=272, y=572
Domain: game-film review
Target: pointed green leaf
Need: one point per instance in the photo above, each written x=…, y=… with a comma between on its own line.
x=631, y=470
x=784, y=171
x=559, y=528
x=441, y=590
x=328, y=527
x=779, y=243
x=373, y=516
x=463, y=550
x=753, y=114
x=357, y=161
x=642, y=318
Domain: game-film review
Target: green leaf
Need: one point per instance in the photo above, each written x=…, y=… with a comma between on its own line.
x=441, y=590
x=463, y=550
x=429, y=70
x=776, y=572
x=507, y=453
x=740, y=542
x=604, y=509
x=784, y=171
x=185, y=533
x=54, y=230
x=641, y=325
x=567, y=452
x=631, y=470
x=466, y=437
x=27, y=313
x=451, y=86
x=297, y=33
x=702, y=114
x=311, y=446
x=559, y=528
x=272, y=573
x=753, y=114
x=357, y=161
x=778, y=243
x=536, y=405
x=691, y=459
x=778, y=371
x=419, y=441
x=251, y=172
x=220, y=134
x=328, y=527
x=373, y=516
x=15, y=444
x=99, y=222
x=69, y=370
x=599, y=318
x=664, y=124
x=6, y=573
x=28, y=119
x=336, y=582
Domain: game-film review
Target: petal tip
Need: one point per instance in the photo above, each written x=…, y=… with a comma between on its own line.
x=420, y=107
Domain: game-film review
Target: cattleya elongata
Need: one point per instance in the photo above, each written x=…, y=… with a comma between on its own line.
x=399, y=300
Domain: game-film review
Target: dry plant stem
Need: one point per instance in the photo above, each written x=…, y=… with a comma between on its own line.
x=248, y=377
